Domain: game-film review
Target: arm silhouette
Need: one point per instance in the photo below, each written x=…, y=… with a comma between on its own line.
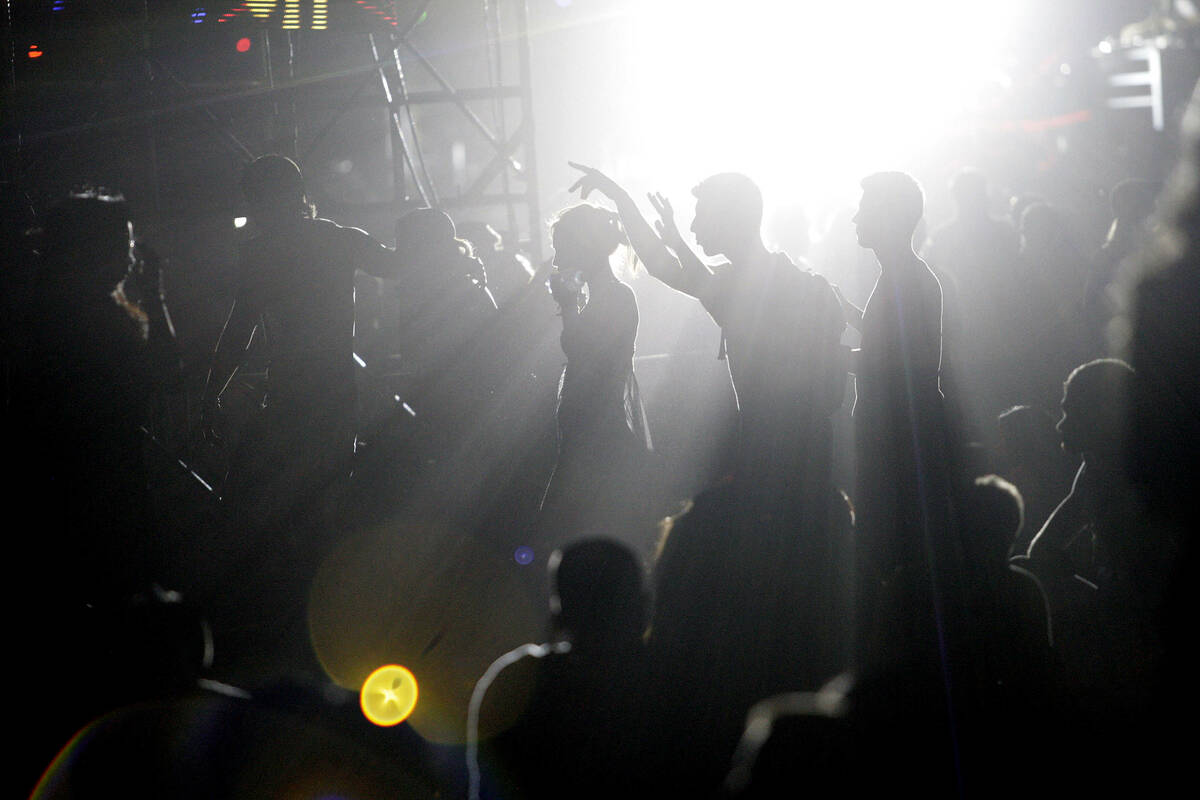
x=372, y=256
x=1064, y=523
x=681, y=270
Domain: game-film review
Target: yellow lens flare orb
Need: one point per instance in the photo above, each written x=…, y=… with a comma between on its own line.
x=389, y=695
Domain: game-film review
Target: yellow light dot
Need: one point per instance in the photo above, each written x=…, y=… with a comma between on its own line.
x=389, y=695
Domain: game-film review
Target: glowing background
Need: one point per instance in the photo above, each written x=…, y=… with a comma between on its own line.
x=805, y=97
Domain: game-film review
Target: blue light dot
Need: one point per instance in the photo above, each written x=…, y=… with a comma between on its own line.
x=523, y=555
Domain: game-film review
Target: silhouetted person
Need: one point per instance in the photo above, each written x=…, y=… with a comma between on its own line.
x=781, y=327
x=1106, y=571
x=974, y=246
x=427, y=450
x=1100, y=523
x=905, y=553
x=744, y=608
x=1133, y=205
x=97, y=347
x=579, y=734
x=979, y=254
x=151, y=725
x=1010, y=637
x=1052, y=338
x=603, y=436
x=508, y=272
x=295, y=290
x=1028, y=452
x=443, y=296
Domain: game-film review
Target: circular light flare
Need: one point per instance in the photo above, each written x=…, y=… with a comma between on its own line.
x=388, y=695
x=523, y=555
x=243, y=44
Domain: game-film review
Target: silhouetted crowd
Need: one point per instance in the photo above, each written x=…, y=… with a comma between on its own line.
x=947, y=549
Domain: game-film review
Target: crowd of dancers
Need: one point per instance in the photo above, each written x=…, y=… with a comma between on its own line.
x=960, y=616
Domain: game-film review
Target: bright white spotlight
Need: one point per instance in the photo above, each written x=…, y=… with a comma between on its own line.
x=811, y=93
x=239, y=222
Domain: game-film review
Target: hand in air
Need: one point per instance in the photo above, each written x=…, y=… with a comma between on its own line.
x=593, y=180
x=665, y=225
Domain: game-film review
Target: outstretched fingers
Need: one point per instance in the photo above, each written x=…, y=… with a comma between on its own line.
x=586, y=181
x=661, y=205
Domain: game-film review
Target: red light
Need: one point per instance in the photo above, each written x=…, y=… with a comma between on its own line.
x=243, y=44
x=34, y=52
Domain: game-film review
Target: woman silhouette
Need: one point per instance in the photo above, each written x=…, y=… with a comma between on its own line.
x=603, y=439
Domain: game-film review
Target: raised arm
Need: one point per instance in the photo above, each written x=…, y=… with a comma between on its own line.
x=693, y=269
x=680, y=270
x=371, y=255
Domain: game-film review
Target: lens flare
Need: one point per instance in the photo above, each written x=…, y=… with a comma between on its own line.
x=388, y=695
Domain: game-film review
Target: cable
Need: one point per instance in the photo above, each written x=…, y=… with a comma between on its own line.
x=489, y=675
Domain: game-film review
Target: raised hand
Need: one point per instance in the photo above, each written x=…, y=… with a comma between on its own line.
x=593, y=180
x=665, y=225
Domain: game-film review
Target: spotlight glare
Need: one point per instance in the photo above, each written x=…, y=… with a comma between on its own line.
x=388, y=696
x=835, y=90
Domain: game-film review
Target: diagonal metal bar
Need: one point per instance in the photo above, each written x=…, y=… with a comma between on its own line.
x=496, y=166
x=336, y=117
x=397, y=125
x=148, y=115
x=530, y=153
x=432, y=199
x=479, y=124
x=221, y=128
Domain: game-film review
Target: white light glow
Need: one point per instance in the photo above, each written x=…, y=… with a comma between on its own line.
x=239, y=222
x=809, y=93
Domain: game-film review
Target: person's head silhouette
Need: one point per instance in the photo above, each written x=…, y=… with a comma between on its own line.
x=1042, y=230
x=274, y=188
x=1094, y=403
x=729, y=211
x=597, y=595
x=892, y=204
x=427, y=239
x=583, y=237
